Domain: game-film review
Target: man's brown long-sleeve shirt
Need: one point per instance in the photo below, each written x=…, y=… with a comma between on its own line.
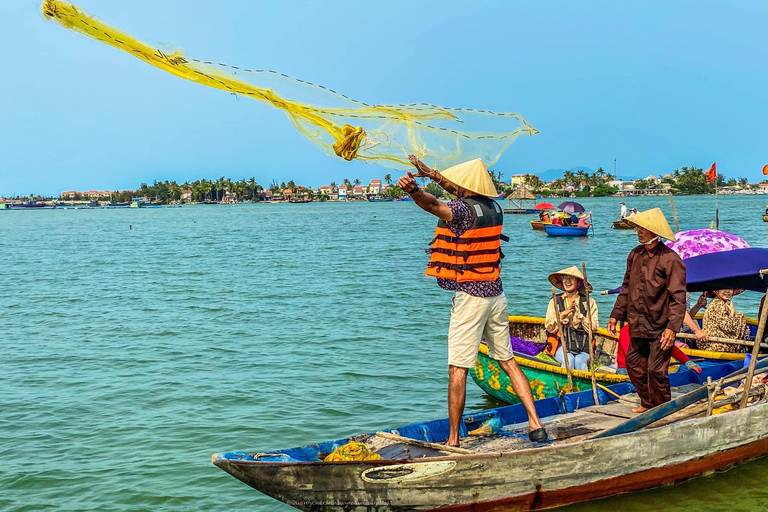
x=652, y=296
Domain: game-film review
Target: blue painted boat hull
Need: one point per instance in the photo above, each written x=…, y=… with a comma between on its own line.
x=565, y=230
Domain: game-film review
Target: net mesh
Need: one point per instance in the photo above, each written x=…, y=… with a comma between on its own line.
x=340, y=125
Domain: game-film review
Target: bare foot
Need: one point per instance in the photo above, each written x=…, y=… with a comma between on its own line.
x=452, y=445
x=639, y=409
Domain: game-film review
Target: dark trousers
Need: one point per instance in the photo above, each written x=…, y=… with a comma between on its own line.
x=648, y=367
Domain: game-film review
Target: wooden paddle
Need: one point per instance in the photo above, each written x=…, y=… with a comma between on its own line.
x=589, y=332
x=563, y=341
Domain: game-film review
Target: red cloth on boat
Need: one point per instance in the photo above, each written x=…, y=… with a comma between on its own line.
x=621, y=352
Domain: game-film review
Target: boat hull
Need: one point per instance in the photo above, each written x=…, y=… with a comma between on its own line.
x=620, y=224
x=533, y=479
x=566, y=231
x=765, y=218
x=538, y=225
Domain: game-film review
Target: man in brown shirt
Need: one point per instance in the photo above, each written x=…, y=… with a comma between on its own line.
x=652, y=300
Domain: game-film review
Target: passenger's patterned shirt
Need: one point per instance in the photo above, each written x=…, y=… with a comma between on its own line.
x=462, y=220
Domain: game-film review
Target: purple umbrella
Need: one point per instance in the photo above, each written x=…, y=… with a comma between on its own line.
x=571, y=207
x=696, y=242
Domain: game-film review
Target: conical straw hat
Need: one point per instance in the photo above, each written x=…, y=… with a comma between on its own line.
x=654, y=221
x=472, y=176
x=556, y=278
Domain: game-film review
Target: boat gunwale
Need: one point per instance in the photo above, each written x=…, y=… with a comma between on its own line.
x=553, y=446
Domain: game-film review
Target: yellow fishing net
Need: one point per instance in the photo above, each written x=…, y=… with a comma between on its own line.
x=340, y=125
x=352, y=451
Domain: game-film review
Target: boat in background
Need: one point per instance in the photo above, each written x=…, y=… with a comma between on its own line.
x=405, y=198
x=538, y=225
x=379, y=199
x=765, y=218
x=566, y=231
x=620, y=224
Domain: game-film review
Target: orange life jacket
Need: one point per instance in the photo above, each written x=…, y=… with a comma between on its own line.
x=476, y=254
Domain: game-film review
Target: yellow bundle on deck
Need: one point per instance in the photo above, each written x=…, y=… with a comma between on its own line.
x=352, y=451
x=348, y=128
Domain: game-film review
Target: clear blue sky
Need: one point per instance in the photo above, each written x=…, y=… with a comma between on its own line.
x=658, y=85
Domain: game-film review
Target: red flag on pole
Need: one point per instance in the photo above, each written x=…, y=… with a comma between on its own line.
x=711, y=174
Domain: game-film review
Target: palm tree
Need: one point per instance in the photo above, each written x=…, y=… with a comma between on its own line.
x=357, y=182
x=388, y=179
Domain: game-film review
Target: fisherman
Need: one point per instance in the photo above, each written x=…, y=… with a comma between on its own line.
x=466, y=259
x=623, y=210
x=652, y=300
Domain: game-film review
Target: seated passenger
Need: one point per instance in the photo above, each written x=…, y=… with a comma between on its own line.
x=723, y=321
x=571, y=306
x=557, y=220
x=583, y=221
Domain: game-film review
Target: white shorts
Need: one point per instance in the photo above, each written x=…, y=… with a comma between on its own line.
x=473, y=318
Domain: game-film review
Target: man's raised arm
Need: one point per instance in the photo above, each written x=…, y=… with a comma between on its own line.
x=424, y=199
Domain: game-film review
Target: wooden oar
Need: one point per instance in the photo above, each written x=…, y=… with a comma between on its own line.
x=665, y=409
x=674, y=213
x=727, y=341
x=589, y=332
x=563, y=339
x=756, y=348
x=423, y=444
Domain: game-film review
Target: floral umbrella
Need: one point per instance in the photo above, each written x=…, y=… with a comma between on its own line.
x=571, y=207
x=696, y=242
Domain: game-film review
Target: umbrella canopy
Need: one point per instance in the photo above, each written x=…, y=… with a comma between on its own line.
x=736, y=269
x=696, y=242
x=544, y=206
x=571, y=207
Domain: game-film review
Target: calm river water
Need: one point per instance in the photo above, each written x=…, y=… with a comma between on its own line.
x=136, y=343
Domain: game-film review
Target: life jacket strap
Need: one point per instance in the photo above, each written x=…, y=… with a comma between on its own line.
x=463, y=254
x=461, y=268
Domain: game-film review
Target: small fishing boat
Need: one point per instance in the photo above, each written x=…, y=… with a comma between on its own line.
x=594, y=451
x=405, y=198
x=765, y=218
x=566, y=231
x=620, y=224
x=379, y=199
x=538, y=225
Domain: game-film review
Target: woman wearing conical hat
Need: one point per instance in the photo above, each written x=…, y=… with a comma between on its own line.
x=652, y=300
x=574, y=314
x=465, y=257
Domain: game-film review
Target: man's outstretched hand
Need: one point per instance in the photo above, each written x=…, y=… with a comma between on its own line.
x=612, y=326
x=421, y=168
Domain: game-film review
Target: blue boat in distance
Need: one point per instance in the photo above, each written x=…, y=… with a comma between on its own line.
x=572, y=231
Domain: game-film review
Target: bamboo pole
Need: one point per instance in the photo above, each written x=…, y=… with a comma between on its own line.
x=423, y=444
x=563, y=341
x=589, y=331
x=755, y=349
x=727, y=341
x=674, y=213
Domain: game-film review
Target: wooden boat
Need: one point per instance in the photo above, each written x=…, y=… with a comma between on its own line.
x=765, y=218
x=566, y=231
x=620, y=224
x=585, y=459
x=538, y=225
x=547, y=378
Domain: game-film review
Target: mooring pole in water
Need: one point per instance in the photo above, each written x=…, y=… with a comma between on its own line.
x=674, y=212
